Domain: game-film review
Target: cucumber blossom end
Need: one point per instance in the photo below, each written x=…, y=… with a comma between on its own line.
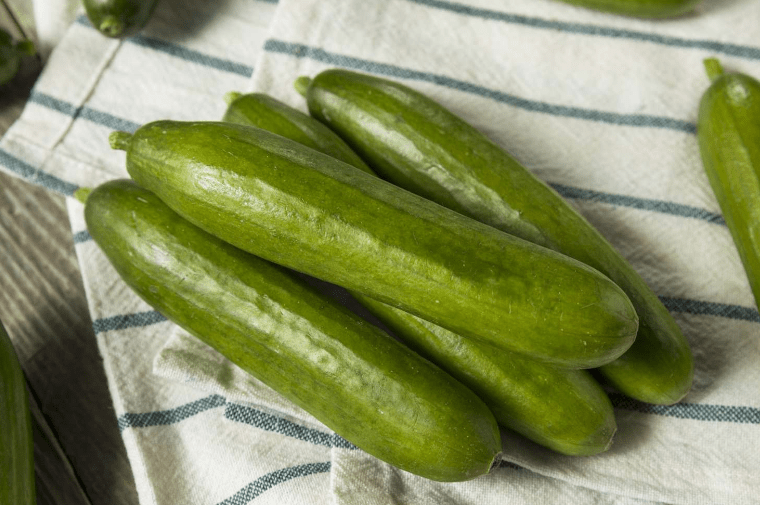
x=111, y=27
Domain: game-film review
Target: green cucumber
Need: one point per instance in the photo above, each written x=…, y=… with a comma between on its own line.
x=414, y=142
x=263, y=111
x=354, y=378
x=728, y=131
x=639, y=8
x=565, y=410
x=307, y=211
x=16, y=445
x=11, y=54
x=119, y=18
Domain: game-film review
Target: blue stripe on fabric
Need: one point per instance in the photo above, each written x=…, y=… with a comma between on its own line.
x=711, y=309
x=125, y=321
x=634, y=120
x=660, y=206
x=92, y=115
x=53, y=103
x=171, y=416
x=35, y=175
x=737, y=50
x=237, y=413
x=269, y=422
x=694, y=411
x=192, y=56
x=108, y=120
x=270, y=480
x=82, y=236
x=181, y=52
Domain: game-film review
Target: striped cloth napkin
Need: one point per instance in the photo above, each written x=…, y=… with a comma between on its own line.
x=601, y=107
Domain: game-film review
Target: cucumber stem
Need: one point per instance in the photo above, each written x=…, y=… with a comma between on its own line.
x=111, y=26
x=82, y=193
x=119, y=140
x=302, y=84
x=713, y=68
x=231, y=97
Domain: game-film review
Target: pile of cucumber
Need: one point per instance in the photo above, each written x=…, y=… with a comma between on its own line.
x=500, y=295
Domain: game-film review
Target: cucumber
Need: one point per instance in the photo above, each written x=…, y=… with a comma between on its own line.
x=263, y=111
x=16, y=445
x=354, y=378
x=11, y=54
x=564, y=410
x=119, y=18
x=314, y=214
x=728, y=132
x=414, y=142
x=639, y=8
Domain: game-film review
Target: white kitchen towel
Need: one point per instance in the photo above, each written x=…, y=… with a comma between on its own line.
x=52, y=19
x=601, y=107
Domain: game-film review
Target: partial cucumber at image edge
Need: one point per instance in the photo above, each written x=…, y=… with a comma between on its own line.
x=11, y=54
x=728, y=131
x=119, y=18
x=564, y=410
x=17, y=485
x=351, y=376
x=417, y=144
x=314, y=214
x=639, y=8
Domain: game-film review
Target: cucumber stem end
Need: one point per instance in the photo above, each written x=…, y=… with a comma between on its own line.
x=713, y=68
x=231, y=97
x=119, y=140
x=302, y=84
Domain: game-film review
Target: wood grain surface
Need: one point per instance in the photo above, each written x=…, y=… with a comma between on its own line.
x=79, y=454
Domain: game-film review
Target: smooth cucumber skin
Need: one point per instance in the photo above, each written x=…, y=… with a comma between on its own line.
x=728, y=132
x=309, y=212
x=16, y=446
x=640, y=8
x=356, y=379
x=119, y=18
x=412, y=141
x=265, y=112
x=564, y=410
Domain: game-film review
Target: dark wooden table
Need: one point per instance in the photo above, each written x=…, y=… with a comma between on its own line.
x=79, y=454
